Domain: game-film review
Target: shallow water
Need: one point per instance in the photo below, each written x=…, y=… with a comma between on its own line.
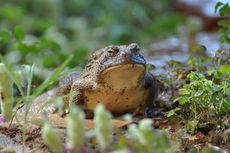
x=177, y=48
x=207, y=6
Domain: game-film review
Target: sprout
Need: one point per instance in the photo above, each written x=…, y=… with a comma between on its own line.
x=145, y=131
x=103, y=127
x=75, y=129
x=142, y=132
x=6, y=93
x=52, y=138
x=151, y=140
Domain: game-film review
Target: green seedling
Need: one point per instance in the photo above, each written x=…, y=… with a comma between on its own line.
x=6, y=93
x=52, y=138
x=103, y=127
x=75, y=129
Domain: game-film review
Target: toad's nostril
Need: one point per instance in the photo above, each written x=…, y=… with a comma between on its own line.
x=134, y=47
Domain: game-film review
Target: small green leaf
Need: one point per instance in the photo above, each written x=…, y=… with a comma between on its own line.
x=198, y=93
x=192, y=125
x=195, y=76
x=210, y=72
x=225, y=10
x=184, y=92
x=214, y=88
x=5, y=36
x=174, y=63
x=210, y=150
x=225, y=69
x=182, y=100
x=27, y=48
x=217, y=74
x=218, y=4
x=172, y=112
x=228, y=91
x=48, y=62
x=150, y=67
x=19, y=33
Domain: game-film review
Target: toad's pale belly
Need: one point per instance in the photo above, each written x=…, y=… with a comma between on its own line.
x=122, y=90
x=126, y=100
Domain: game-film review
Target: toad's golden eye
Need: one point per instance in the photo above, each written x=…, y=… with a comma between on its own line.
x=112, y=51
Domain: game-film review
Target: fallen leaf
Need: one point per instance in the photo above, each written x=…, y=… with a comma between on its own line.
x=196, y=138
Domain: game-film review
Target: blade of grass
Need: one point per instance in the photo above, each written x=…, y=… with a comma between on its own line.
x=27, y=99
x=29, y=80
x=15, y=110
x=54, y=77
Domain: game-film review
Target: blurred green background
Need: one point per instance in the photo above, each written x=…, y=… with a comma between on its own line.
x=46, y=32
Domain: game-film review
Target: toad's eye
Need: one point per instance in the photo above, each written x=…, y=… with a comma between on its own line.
x=112, y=51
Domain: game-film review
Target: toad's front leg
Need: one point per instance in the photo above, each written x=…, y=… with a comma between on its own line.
x=152, y=85
x=76, y=96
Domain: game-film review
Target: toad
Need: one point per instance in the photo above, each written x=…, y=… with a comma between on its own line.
x=114, y=76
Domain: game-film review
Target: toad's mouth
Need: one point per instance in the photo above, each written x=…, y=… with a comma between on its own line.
x=123, y=76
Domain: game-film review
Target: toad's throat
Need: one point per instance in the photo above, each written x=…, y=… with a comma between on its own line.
x=124, y=76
